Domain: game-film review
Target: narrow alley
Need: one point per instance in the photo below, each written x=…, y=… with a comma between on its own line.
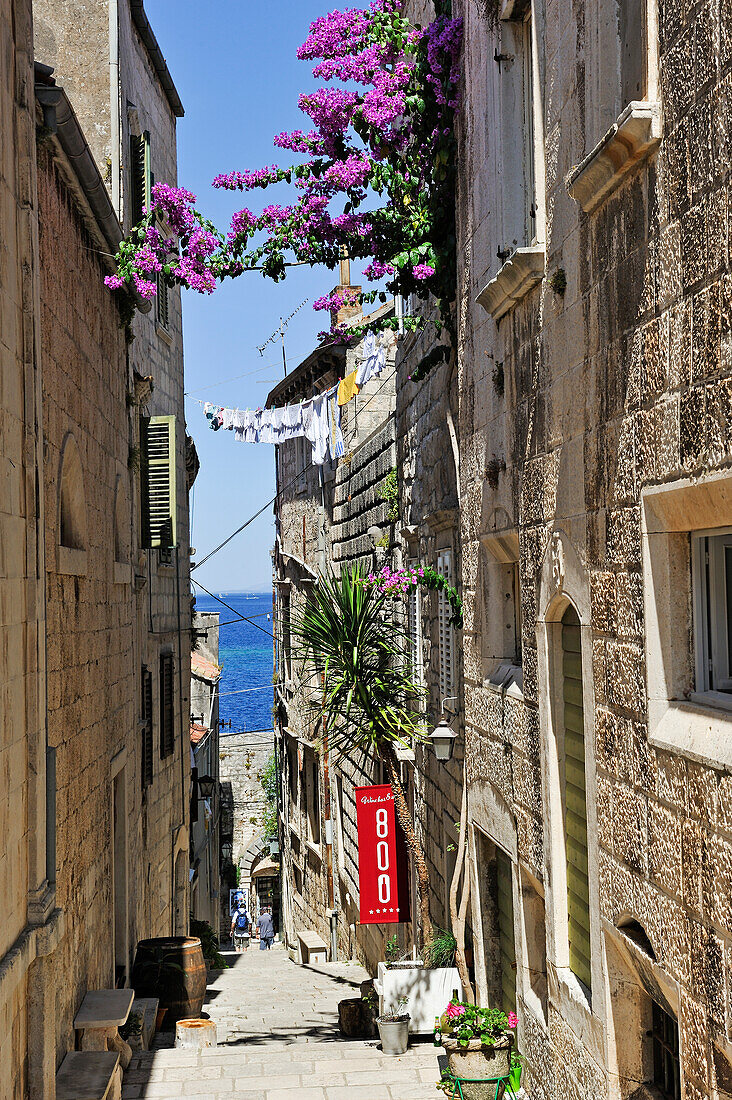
x=278, y=1039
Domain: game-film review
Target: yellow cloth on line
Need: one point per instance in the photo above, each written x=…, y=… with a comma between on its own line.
x=347, y=388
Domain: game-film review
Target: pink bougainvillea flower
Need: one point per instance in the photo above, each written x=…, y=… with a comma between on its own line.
x=512, y=1019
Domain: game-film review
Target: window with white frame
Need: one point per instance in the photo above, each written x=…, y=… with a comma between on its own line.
x=712, y=565
x=445, y=629
x=414, y=627
x=522, y=224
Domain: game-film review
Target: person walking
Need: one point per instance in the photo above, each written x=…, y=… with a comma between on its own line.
x=265, y=928
x=240, y=925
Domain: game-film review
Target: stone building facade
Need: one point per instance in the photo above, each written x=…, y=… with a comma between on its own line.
x=388, y=428
x=32, y=922
x=205, y=811
x=594, y=435
x=97, y=781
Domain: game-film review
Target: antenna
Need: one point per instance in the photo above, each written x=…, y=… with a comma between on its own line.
x=281, y=333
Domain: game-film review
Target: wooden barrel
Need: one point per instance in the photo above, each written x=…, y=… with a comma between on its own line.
x=172, y=969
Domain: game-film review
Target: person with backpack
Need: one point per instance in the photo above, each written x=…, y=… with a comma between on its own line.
x=240, y=924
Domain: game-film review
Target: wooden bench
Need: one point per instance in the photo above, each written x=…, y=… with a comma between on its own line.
x=312, y=948
x=88, y=1075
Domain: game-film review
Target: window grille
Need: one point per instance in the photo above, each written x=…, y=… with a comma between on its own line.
x=666, y=1064
x=146, y=764
x=575, y=801
x=314, y=803
x=140, y=177
x=167, y=707
x=157, y=469
x=445, y=630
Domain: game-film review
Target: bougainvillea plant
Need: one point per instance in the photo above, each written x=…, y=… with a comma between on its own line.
x=374, y=179
x=395, y=582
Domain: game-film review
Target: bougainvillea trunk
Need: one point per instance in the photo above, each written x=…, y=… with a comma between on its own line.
x=404, y=818
x=458, y=913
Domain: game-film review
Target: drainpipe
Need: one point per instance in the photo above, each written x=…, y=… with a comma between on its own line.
x=114, y=137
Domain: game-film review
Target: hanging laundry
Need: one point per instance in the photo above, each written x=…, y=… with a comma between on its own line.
x=315, y=421
x=227, y=419
x=347, y=388
x=336, y=446
x=266, y=428
x=368, y=360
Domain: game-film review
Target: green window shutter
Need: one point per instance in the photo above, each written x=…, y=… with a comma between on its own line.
x=140, y=175
x=507, y=945
x=575, y=801
x=157, y=470
x=162, y=306
x=146, y=767
x=167, y=710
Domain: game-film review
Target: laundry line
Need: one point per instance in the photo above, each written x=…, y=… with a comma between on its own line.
x=282, y=489
x=317, y=419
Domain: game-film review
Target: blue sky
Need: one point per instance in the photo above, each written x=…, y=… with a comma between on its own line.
x=236, y=71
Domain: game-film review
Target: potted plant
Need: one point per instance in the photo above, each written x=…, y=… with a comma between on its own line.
x=394, y=1028
x=131, y=1030
x=209, y=944
x=426, y=985
x=514, y=1077
x=478, y=1043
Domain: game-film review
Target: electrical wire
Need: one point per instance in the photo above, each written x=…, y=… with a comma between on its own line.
x=241, y=691
x=241, y=618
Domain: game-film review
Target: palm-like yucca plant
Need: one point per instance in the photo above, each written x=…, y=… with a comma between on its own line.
x=368, y=698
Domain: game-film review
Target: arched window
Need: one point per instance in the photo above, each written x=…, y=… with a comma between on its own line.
x=72, y=503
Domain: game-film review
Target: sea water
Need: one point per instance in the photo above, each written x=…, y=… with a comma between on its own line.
x=245, y=654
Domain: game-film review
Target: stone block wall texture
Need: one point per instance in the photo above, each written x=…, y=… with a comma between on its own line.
x=22, y=692
x=242, y=759
x=619, y=384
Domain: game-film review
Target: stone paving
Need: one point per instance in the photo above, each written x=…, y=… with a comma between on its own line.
x=278, y=1039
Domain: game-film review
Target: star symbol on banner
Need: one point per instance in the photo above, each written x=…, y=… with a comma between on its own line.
x=391, y=910
x=397, y=910
x=371, y=912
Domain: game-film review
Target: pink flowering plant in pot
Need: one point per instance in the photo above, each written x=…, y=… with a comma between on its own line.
x=478, y=1042
x=373, y=179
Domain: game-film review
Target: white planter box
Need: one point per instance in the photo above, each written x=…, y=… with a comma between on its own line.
x=427, y=991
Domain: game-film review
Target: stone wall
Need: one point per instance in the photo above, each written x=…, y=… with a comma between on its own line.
x=31, y=922
x=92, y=686
x=607, y=393
x=242, y=759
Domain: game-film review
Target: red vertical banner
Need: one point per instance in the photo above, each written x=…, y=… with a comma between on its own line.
x=383, y=879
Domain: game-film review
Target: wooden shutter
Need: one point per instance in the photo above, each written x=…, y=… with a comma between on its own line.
x=167, y=709
x=447, y=677
x=414, y=625
x=507, y=946
x=140, y=178
x=146, y=762
x=575, y=801
x=157, y=437
x=162, y=306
